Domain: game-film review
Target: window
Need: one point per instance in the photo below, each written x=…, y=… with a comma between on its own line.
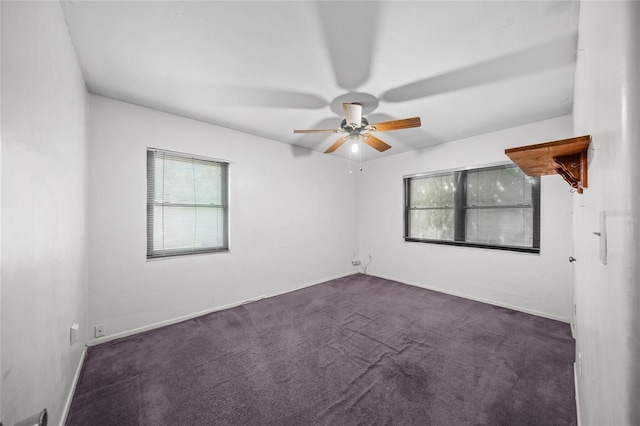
x=492, y=207
x=187, y=208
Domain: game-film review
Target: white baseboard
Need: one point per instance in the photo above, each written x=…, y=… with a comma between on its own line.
x=76, y=377
x=478, y=299
x=575, y=384
x=312, y=283
x=171, y=321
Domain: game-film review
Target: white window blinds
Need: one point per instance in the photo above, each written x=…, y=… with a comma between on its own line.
x=187, y=207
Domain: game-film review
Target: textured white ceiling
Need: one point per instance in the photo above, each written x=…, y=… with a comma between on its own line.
x=266, y=68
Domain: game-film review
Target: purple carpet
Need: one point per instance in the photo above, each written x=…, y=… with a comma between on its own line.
x=359, y=350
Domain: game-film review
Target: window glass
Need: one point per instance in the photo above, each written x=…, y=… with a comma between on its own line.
x=436, y=191
x=495, y=187
x=505, y=227
x=493, y=207
x=187, y=208
x=432, y=224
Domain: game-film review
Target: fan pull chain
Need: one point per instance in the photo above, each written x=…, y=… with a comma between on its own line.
x=350, y=160
x=358, y=145
x=360, y=152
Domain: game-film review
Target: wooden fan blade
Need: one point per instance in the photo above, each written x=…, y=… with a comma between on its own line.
x=375, y=143
x=337, y=144
x=353, y=113
x=405, y=123
x=319, y=131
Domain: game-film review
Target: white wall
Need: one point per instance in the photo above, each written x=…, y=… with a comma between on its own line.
x=538, y=284
x=0, y=210
x=292, y=213
x=607, y=106
x=44, y=263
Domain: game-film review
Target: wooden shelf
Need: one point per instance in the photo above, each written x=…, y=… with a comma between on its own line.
x=566, y=157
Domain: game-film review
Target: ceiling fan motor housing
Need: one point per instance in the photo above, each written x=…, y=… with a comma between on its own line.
x=348, y=128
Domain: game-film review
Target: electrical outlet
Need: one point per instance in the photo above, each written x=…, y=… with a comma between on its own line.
x=355, y=262
x=99, y=330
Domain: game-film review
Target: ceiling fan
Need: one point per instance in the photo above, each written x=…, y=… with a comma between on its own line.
x=355, y=125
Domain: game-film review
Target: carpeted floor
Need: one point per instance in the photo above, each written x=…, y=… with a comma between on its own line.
x=359, y=350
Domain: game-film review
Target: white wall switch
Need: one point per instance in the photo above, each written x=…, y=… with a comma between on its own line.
x=73, y=333
x=580, y=365
x=603, y=237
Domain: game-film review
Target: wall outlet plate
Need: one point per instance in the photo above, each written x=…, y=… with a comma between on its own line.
x=99, y=330
x=355, y=262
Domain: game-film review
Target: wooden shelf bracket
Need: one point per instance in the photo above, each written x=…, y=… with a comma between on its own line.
x=566, y=157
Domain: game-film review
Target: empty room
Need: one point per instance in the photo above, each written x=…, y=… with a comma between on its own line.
x=319, y=213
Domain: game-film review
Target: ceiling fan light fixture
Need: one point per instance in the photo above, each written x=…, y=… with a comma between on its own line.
x=354, y=124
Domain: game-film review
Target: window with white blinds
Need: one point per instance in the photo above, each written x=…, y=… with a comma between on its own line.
x=491, y=207
x=187, y=204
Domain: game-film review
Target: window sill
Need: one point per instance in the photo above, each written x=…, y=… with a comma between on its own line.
x=475, y=245
x=194, y=253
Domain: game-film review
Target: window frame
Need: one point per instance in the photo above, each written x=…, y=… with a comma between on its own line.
x=460, y=208
x=152, y=254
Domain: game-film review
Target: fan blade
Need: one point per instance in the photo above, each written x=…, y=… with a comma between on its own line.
x=319, y=131
x=353, y=113
x=337, y=144
x=350, y=41
x=375, y=143
x=405, y=123
x=540, y=58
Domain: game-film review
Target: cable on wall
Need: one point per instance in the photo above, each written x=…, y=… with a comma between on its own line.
x=364, y=267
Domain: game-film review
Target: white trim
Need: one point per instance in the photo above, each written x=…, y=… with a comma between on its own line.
x=169, y=322
x=76, y=377
x=575, y=384
x=176, y=320
x=459, y=169
x=479, y=299
x=312, y=283
x=189, y=156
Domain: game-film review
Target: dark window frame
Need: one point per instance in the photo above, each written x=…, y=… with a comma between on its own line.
x=151, y=203
x=460, y=208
